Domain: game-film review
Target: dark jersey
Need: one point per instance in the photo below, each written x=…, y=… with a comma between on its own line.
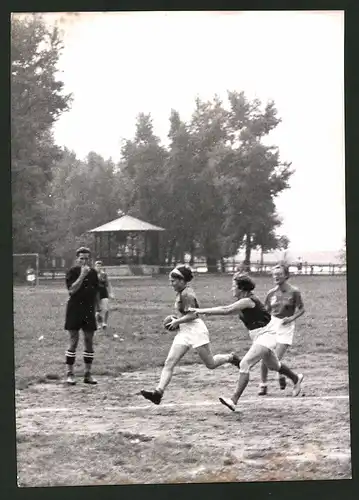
x=185, y=299
x=102, y=279
x=103, y=284
x=88, y=290
x=255, y=317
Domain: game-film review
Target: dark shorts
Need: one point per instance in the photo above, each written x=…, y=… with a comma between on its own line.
x=80, y=318
x=103, y=293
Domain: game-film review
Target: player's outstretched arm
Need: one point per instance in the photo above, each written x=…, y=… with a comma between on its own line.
x=234, y=308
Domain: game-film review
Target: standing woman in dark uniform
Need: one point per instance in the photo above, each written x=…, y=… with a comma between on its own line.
x=105, y=294
x=262, y=332
x=82, y=284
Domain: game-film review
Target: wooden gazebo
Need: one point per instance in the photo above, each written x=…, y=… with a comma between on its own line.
x=127, y=240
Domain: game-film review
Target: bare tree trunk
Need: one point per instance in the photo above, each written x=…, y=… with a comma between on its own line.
x=192, y=249
x=181, y=255
x=211, y=264
x=223, y=265
x=170, y=252
x=247, y=258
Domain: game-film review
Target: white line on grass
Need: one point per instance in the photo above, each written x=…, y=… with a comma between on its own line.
x=29, y=411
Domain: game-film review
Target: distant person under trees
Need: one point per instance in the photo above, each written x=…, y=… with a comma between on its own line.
x=30, y=276
x=299, y=265
x=105, y=293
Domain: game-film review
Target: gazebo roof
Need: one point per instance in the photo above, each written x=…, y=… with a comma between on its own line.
x=126, y=223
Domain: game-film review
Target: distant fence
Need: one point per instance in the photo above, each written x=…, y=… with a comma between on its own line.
x=123, y=271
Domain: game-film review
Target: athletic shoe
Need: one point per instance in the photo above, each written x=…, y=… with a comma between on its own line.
x=88, y=379
x=298, y=387
x=282, y=383
x=70, y=379
x=154, y=396
x=263, y=390
x=229, y=403
x=235, y=360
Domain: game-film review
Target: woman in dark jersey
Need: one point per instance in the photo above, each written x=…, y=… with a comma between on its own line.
x=260, y=326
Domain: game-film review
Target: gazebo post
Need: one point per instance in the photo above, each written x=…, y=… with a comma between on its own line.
x=109, y=247
x=156, y=248
x=95, y=245
x=145, y=248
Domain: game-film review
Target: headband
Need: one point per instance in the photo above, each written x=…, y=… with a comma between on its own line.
x=176, y=272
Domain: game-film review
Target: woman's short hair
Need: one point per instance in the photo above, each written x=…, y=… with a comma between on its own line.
x=284, y=266
x=182, y=271
x=244, y=282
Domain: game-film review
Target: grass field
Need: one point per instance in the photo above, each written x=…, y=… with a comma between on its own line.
x=107, y=434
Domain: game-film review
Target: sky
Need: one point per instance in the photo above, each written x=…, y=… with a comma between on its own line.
x=119, y=64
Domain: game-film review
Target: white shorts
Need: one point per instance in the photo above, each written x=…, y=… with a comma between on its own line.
x=265, y=336
x=285, y=333
x=31, y=278
x=104, y=304
x=192, y=334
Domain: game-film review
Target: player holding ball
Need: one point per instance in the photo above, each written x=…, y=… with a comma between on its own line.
x=192, y=333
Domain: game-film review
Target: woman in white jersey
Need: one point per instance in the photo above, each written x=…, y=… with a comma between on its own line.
x=192, y=333
x=284, y=302
x=262, y=331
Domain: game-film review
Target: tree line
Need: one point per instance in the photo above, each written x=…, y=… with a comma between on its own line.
x=213, y=186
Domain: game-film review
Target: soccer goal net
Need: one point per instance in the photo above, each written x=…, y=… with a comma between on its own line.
x=25, y=269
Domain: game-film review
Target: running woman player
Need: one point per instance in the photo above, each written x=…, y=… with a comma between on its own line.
x=284, y=302
x=192, y=333
x=83, y=286
x=262, y=331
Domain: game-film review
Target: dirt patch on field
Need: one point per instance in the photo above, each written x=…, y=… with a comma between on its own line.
x=190, y=437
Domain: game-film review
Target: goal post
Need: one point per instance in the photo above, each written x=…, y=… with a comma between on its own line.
x=23, y=263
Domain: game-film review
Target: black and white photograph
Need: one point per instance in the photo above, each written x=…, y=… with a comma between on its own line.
x=179, y=247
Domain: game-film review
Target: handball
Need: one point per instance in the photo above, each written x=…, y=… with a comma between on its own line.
x=168, y=320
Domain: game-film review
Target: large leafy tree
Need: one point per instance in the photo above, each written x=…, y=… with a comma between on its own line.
x=343, y=253
x=208, y=129
x=85, y=195
x=180, y=192
x=37, y=100
x=141, y=173
x=253, y=175
x=214, y=189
